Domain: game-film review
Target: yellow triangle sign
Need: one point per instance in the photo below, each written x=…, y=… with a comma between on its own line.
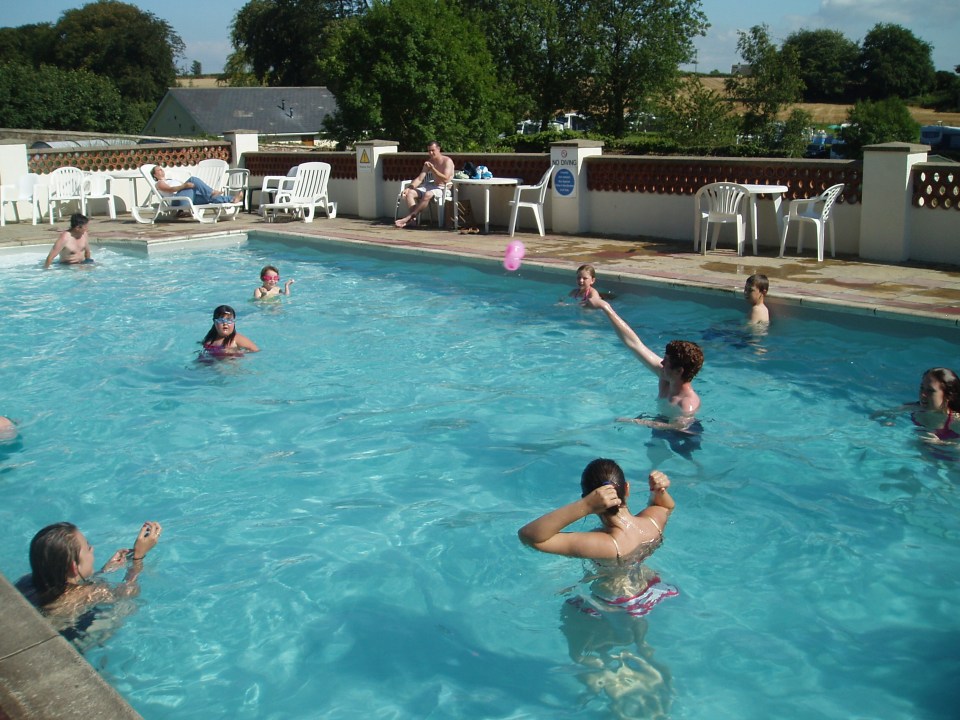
x=364, y=158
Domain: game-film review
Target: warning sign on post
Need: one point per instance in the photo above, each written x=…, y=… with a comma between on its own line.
x=565, y=183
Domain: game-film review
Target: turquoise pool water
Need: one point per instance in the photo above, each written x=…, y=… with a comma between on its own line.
x=340, y=510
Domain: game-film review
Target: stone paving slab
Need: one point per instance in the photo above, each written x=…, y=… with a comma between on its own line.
x=927, y=293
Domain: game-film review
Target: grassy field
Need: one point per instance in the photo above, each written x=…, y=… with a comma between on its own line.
x=822, y=113
x=826, y=114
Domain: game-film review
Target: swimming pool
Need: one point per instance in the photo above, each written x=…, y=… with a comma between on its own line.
x=340, y=510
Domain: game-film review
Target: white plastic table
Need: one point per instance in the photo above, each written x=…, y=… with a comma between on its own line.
x=776, y=192
x=486, y=184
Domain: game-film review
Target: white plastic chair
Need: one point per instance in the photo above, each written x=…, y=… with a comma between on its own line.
x=25, y=191
x=308, y=192
x=721, y=203
x=213, y=172
x=273, y=184
x=817, y=212
x=440, y=197
x=97, y=186
x=536, y=205
x=238, y=181
x=65, y=185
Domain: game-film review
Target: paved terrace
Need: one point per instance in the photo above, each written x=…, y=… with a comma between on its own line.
x=40, y=674
x=930, y=294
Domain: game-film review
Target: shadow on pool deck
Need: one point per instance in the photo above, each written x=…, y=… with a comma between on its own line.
x=41, y=676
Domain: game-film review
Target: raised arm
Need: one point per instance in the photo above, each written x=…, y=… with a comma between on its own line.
x=661, y=504
x=444, y=173
x=286, y=286
x=545, y=533
x=627, y=336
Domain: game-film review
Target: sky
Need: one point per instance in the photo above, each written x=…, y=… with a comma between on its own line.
x=204, y=25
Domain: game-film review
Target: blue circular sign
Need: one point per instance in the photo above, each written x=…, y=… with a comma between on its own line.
x=564, y=182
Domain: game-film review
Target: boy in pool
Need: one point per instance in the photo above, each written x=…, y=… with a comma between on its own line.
x=755, y=293
x=675, y=371
x=270, y=277
x=73, y=245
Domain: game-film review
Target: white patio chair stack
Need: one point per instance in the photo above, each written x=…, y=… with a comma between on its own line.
x=308, y=192
x=439, y=199
x=25, y=191
x=721, y=203
x=815, y=211
x=65, y=185
x=539, y=193
x=213, y=172
x=97, y=186
x=238, y=181
x=273, y=184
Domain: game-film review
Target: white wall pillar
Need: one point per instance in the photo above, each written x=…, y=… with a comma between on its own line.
x=369, y=172
x=241, y=142
x=886, y=197
x=569, y=206
x=13, y=166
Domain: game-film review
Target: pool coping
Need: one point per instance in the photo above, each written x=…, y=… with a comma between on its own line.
x=43, y=677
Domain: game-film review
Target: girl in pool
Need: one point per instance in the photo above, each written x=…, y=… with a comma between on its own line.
x=63, y=583
x=938, y=409
x=270, y=277
x=585, y=290
x=621, y=543
x=223, y=338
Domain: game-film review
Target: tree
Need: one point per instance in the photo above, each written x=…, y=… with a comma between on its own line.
x=196, y=69
x=61, y=100
x=528, y=41
x=827, y=63
x=631, y=50
x=895, y=63
x=135, y=49
x=413, y=71
x=773, y=82
x=280, y=41
x=695, y=117
x=28, y=44
x=880, y=121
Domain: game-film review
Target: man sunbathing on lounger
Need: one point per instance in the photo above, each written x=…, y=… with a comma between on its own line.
x=196, y=189
x=437, y=172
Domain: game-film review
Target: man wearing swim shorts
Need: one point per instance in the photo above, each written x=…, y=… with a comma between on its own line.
x=436, y=173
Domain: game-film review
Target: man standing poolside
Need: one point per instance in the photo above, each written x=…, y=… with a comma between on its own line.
x=680, y=363
x=437, y=171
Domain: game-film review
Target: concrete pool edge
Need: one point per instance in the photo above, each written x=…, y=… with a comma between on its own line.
x=42, y=676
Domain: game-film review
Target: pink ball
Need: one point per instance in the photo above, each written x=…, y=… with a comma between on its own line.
x=516, y=248
x=511, y=262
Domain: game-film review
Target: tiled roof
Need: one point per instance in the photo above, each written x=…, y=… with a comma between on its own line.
x=269, y=111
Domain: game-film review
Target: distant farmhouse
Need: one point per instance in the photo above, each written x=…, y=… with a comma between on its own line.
x=278, y=114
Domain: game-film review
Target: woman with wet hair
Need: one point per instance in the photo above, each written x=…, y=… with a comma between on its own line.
x=63, y=582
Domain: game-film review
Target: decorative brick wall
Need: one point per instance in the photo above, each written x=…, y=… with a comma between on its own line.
x=44, y=161
x=936, y=186
x=528, y=167
x=343, y=165
x=686, y=175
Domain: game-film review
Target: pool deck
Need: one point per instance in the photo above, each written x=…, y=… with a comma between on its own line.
x=41, y=676
x=926, y=293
